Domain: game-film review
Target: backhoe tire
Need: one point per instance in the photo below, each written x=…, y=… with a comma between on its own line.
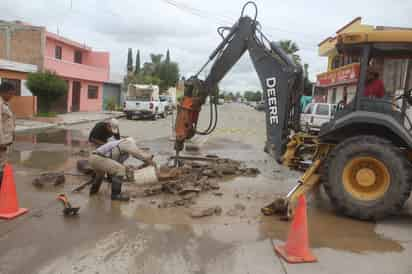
x=367, y=177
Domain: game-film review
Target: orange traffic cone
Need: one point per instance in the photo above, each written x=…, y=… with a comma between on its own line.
x=9, y=206
x=296, y=249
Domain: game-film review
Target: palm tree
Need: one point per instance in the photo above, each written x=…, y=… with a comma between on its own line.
x=156, y=58
x=290, y=48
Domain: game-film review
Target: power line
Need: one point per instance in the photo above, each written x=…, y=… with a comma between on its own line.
x=220, y=18
x=226, y=19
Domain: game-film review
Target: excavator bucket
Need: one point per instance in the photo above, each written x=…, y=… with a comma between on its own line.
x=285, y=206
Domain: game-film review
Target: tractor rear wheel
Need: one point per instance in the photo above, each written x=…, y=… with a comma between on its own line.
x=367, y=177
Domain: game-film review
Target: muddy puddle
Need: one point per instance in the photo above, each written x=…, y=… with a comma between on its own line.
x=54, y=150
x=48, y=150
x=326, y=229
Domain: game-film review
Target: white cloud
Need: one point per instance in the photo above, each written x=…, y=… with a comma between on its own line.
x=190, y=32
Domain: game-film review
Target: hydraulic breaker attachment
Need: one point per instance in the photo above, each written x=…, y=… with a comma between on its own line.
x=186, y=121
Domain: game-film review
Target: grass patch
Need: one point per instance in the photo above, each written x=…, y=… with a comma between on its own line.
x=47, y=114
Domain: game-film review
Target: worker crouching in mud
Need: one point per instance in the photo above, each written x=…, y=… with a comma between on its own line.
x=109, y=159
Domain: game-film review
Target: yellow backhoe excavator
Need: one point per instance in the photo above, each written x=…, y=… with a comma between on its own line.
x=362, y=156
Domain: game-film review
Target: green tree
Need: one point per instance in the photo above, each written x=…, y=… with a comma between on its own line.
x=249, y=95
x=148, y=69
x=169, y=75
x=168, y=71
x=307, y=85
x=306, y=70
x=167, y=60
x=48, y=87
x=253, y=96
x=157, y=62
x=130, y=60
x=290, y=48
x=229, y=96
x=156, y=59
x=164, y=73
x=258, y=96
x=137, y=66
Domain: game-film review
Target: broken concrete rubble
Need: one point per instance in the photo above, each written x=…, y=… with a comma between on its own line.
x=236, y=210
x=54, y=179
x=199, y=213
x=194, y=176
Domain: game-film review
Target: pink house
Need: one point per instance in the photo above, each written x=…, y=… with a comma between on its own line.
x=84, y=70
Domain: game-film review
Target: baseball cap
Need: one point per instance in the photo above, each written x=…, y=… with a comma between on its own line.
x=114, y=123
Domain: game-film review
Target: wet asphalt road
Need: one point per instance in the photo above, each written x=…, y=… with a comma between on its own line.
x=138, y=237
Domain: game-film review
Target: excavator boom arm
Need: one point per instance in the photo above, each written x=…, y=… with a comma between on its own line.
x=281, y=80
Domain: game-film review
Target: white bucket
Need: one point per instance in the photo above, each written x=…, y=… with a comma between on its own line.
x=145, y=176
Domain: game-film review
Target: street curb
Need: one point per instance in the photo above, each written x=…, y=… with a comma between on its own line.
x=51, y=126
x=84, y=121
x=34, y=129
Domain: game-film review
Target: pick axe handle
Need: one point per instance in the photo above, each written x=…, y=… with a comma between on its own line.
x=81, y=187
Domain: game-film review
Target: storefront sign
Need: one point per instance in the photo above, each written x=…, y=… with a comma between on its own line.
x=343, y=75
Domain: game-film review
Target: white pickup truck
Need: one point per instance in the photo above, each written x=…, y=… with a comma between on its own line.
x=315, y=115
x=142, y=101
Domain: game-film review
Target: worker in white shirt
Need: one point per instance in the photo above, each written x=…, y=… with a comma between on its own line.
x=109, y=158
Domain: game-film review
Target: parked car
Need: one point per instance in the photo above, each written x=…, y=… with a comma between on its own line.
x=168, y=103
x=260, y=106
x=315, y=115
x=142, y=101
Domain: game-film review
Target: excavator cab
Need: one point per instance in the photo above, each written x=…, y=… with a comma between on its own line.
x=374, y=49
x=363, y=155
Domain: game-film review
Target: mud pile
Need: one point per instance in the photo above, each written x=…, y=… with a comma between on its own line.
x=196, y=175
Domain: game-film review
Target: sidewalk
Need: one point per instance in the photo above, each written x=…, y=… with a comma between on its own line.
x=23, y=125
x=85, y=117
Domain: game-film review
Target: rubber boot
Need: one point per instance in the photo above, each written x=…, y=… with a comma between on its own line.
x=97, y=182
x=117, y=189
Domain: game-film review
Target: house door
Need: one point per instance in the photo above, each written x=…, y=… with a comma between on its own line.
x=76, y=96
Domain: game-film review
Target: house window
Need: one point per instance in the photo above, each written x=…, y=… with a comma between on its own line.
x=93, y=92
x=58, y=52
x=78, y=57
x=16, y=83
x=394, y=72
x=336, y=62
